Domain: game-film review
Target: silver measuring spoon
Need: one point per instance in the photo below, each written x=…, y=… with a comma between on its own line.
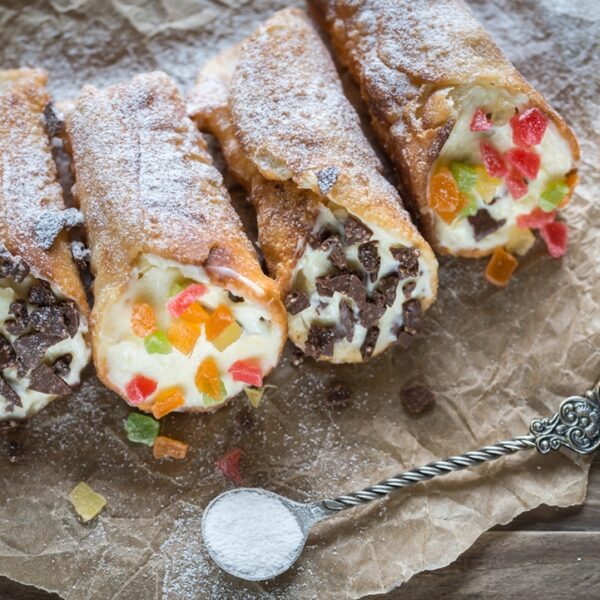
x=255, y=534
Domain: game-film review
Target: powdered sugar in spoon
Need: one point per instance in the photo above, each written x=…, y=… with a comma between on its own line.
x=255, y=534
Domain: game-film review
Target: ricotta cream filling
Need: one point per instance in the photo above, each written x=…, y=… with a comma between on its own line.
x=151, y=282
x=463, y=145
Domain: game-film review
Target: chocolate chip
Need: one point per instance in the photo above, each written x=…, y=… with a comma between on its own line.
x=369, y=258
x=315, y=239
x=326, y=179
x=62, y=365
x=8, y=358
x=368, y=346
x=44, y=380
x=31, y=348
x=417, y=398
x=296, y=301
x=411, y=312
x=40, y=294
x=356, y=232
x=337, y=257
x=297, y=358
x=320, y=341
x=347, y=321
x=49, y=320
x=408, y=259
x=11, y=397
x=370, y=313
x=54, y=125
x=339, y=395
x=408, y=288
x=71, y=316
x=21, y=369
x=81, y=254
x=484, y=224
x=234, y=298
x=51, y=222
x=16, y=326
x=385, y=294
x=347, y=284
x=12, y=267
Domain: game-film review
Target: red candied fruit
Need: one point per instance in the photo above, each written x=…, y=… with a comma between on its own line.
x=178, y=304
x=516, y=185
x=480, y=122
x=529, y=127
x=139, y=388
x=229, y=465
x=246, y=371
x=555, y=235
x=524, y=161
x=536, y=219
x=492, y=160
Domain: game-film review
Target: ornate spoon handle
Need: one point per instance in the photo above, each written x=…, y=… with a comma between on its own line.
x=576, y=426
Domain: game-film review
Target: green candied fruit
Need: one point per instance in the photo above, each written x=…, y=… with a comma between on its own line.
x=141, y=429
x=157, y=343
x=208, y=400
x=471, y=208
x=465, y=176
x=553, y=195
x=177, y=287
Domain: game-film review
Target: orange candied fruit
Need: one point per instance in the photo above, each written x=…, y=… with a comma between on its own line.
x=167, y=401
x=183, y=335
x=195, y=313
x=143, y=320
x=218, y=321
x=500, y=268
x=444, y=197
x=207, y=378
x=166, y=447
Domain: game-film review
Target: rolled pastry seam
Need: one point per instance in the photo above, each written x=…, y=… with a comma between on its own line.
x=354, y=272
x=476, y=147
x=43, y=307
x=183, y=316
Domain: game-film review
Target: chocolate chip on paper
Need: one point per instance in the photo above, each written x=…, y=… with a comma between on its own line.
x=408, y=259
x=43, y=379
x=368, y=346
x=298, y=357
x=40, y=294
x=11, y=397
x=320, y=341
x=11, y=266
x=484, y=224
x=30, y=349
x=326, y=178
x=296, y=301
x=51, y=222
x=356, y=232
x=417, y=398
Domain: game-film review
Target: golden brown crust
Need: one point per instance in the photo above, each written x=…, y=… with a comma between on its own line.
x=29, y=179
x=400, y=53
x=146, y=185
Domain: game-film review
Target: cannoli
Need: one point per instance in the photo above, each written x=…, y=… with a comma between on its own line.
x=183, y=316
x=43, y=307
x=354, y=272
x=480, y=154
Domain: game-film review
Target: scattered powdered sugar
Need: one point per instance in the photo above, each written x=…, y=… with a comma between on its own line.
x=51, y=222
x=252, y=534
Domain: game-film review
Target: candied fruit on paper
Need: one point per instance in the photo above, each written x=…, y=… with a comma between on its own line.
x=444, y=196
x=141, y=429
x=555, y=235
x=493, y=160
x=516, y=185
x=528, y=127
x=221, y=318
x=183, y=335
x=229, y=465
x=86, y=502
x=179, y=303
x=247, y=371
x=207, y=378
x=228, y=336
x=535, y=219
x=553, y=195
x=167, y=401
x=520, y=241
x=140, y=388
x=255, y=395
x=166, y=447
x=143, y=320
x=158, y=343
x=480, y=121
x=525, y=162
x=500, y=268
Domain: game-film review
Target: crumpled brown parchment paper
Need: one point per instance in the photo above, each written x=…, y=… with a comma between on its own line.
x=494, y=359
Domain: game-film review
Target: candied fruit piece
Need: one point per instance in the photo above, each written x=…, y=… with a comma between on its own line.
x=520, y=241
x=492, y=160
x=166, y=447
x=470, y=207
x=221, y=318
x=139, y=388
x=464, y=175
x=528, y=127
x=195, y=313
x=179, y=303
x=158, y=343
x=553, y=195
x=515, y=184
x=143, y=320
x=555, y=235
x=141, y=429
x=228, y=336
x=86, y=502
x=535, y=219
x=247, y=371
x=480, y=121
x=524, y=161
x=183, y=335
x=207, y=378
x=167, y=401
x=444, y=196
x=500, y=268
x=486, y=185
x=229, y=465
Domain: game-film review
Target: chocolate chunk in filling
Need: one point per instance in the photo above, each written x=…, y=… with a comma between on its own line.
x=315, y=239
x=12, y=267
x=70, y=316
x=40, y=294
x=62, y=365
x=347, y=284
x=326, y=179
x=368, y=346
x=484, y=224
x=347, y=321
x=369, y=258
x=356, y=232
x=234, y=298
x=49, y=320
x=408, y=259
x=11, y=397
x=43, y=379
x=370, y=313
x=408, y=288
x=296, y=301
x=54, y=125
x=31, y=348
x=8, y=358
x=320, y=341
x=385, y=294
x=411, y=312
x=337, y=257
x=20, y=322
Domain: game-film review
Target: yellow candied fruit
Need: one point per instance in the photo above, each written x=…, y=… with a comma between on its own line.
x=218, y=321
x=143, y=320
x=230, y=334
x=167, y=401
x=166, y=447
x=86, y=502
x=195, y=313
x=207, y=378
x=520, y=241
x=500, y=268
x=486, y=185
x=444, y=196
x=183, y=335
